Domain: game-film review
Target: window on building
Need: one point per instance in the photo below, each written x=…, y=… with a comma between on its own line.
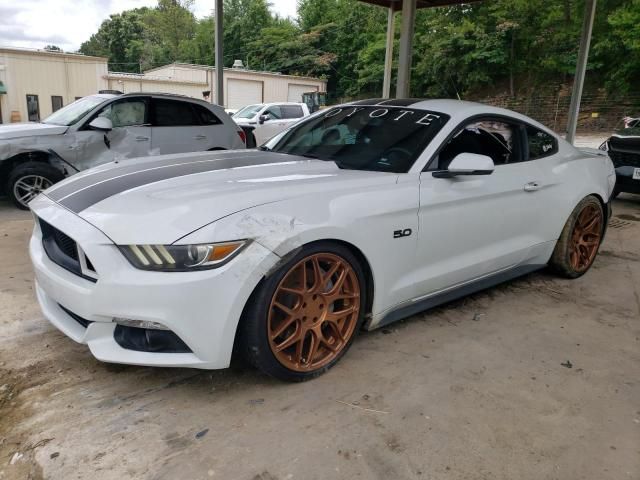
x=56, y=103
x=33, y=108
x=173, y=113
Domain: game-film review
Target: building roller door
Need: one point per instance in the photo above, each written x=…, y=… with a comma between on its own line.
x=241, y=93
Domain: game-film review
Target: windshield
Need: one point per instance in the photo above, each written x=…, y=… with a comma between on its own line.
x=376, y=138
x=248, y=111
x=74, y=111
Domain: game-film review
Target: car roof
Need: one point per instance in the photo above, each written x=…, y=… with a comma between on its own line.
x=458, y=110
x=175, y=96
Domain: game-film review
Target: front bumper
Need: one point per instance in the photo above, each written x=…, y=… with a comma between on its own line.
x=202, y=308
x=625, y=181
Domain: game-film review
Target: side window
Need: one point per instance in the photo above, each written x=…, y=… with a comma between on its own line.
x=273, y=112
x=206, y=116
x=33, y=108
x=541, y=144
x=125, y=113
x=56, y=103
x=291, y=111
x=173, y=113
x=494, y=138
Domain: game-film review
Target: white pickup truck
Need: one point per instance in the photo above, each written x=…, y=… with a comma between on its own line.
x=270, y=119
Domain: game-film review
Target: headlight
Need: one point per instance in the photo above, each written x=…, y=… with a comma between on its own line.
x=182, y=258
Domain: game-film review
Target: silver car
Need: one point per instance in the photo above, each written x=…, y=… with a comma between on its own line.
x=105, y=127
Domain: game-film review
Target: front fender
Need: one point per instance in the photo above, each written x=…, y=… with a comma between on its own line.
x=365, y=220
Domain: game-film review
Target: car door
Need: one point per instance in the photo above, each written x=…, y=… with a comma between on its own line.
x=177, y=128
x=129, y=138
x=272, y=125
x=473, y=226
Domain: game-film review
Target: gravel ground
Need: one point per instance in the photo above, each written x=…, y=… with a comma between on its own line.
x=534, y=379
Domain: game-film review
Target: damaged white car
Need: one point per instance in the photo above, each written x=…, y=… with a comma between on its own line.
x=102, y=128
x=355, y=217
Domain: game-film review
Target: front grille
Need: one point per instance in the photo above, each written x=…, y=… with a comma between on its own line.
x=66, y=244
x=624, y=159
x=63, y=251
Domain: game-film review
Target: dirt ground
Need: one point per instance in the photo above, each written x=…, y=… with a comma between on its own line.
x=535, y=379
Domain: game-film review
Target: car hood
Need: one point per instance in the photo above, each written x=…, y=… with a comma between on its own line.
x=20, y=130
x=161, y=199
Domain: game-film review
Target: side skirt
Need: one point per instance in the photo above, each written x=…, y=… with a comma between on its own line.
x=438, y=298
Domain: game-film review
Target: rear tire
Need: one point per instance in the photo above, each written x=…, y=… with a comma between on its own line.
x=303, y=318
x=580, y=240
x=28, y=179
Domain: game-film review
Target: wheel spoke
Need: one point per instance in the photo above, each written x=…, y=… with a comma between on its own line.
x=286, y=323
x=334, y=316
x=317, y=275
x=292, y=339
x=336, y=330
x=313, y=348
x=284, y=308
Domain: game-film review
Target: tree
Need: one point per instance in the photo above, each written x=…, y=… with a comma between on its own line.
x=53, y=48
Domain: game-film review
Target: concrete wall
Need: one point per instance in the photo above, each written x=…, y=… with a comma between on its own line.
x=46, y=74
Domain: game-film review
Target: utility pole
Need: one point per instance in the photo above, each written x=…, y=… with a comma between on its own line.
x=219, y=56
x=581, y=68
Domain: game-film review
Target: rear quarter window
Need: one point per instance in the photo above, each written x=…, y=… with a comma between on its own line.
x=206, y=116
x=541, y=144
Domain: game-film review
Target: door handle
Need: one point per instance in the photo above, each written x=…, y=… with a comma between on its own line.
x=140, y=138
x=200, y=137
x=532, y=186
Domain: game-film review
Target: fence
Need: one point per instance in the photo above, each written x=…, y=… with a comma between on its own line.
x=599, y=113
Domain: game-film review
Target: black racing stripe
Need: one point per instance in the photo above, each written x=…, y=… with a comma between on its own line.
x=369, y=101
x=82, y=181
x=392, y=102
x=401, y=102
x=88, y=196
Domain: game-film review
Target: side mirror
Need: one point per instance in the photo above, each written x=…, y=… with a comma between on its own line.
x=467, y=164
x=102, y=124
x=262, y=119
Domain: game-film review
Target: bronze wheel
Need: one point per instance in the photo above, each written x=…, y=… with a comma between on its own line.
x=580, y=239
x=314, y=312
x=586, y=237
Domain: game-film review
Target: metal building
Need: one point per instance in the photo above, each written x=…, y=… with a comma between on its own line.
x=242, y=87
x=35, y=83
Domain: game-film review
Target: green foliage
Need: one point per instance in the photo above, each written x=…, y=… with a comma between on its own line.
x=514, y=44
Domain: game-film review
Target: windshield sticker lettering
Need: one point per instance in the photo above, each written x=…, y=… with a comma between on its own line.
x=426, y=120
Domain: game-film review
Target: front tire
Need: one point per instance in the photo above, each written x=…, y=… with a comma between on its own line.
x=27, y=180
x=303, y=318
x=580, y=240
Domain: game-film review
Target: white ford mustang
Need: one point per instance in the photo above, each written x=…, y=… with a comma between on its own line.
x=355, y=217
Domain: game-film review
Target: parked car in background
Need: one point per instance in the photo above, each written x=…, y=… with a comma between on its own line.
x=624, y=149
x=358, y=216
x=102, y=128
x=270, y=119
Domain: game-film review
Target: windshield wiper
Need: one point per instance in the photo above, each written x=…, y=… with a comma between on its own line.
x=264, y=148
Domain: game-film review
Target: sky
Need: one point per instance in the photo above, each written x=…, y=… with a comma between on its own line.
x=68, y=23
